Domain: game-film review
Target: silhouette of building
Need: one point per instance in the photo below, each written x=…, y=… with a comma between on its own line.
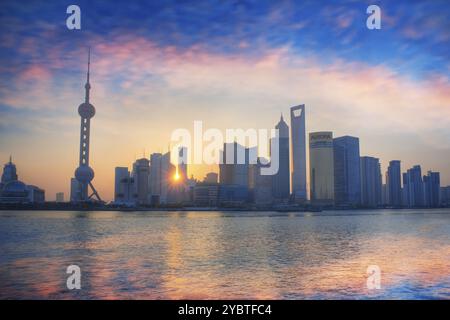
x=413, y=187
x=371, y=182
x=140, y=174
x=445, y=196
x=84, y=174
x=234, y=169
x=281, y=180
x=123, y=186
x=12, y=190
x=60, y=197
x=261, y=185
x=298, y=137
x=74, y=190
x=321, y=167
x=206, y=194
x=394, y=183
x=234, y=174
x=347, y=172
x=162, y=173
x=9, y=172
x=155, y=178
x=432, y=186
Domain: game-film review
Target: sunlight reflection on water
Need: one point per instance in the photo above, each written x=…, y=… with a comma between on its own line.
x=225, y=255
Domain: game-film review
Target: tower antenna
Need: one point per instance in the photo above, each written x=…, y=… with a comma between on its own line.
x=84, y=173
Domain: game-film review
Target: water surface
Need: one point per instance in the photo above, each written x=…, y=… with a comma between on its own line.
x=228, y=255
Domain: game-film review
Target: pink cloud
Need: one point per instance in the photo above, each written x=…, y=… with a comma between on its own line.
x=35, y=73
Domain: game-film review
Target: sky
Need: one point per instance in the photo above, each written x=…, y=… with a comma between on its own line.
x=158, y=66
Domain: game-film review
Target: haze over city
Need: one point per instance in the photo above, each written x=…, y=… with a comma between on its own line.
x=229, y=65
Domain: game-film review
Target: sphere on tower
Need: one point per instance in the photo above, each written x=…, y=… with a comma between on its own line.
x=84, y=174
x=86, y=110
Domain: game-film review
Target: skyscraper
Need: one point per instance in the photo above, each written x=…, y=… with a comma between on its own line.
x=371, y=182
x=321, y=167
x=155, y=178
x=84, y=173
x=123, y=186
x=74, y=190
x=432, y=187
x=347, y=173
x=413, y=185
x=167, y=174
x=234, y=169
x=394, y=183
x=298, y=137
x=262, y=184
x=281, y=180
x=141, y=171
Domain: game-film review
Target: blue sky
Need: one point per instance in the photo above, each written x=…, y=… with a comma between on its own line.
x=414, y=32
x=160, y=65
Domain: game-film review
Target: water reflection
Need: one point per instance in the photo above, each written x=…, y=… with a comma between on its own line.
x=224, y=255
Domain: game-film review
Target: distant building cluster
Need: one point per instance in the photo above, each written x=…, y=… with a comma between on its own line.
x=155, y=181
x=12, y=190
x=339, y=177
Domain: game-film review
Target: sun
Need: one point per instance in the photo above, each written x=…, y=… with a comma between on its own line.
x=176, y=176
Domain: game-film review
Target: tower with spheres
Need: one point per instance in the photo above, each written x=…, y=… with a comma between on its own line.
x=84, y=174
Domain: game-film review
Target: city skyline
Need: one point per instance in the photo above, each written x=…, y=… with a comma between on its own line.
x=146, y=87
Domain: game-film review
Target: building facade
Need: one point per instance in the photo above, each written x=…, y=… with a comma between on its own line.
x=347, y=172
x=281, y=180
x=413, y=187
x=432, y=188
x=298, y=138
x=321, y=167
x=12, y=190
x=394, y=183
x=371, y=182
x=140, y=174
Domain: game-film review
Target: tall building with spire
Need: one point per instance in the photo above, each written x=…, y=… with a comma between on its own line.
x=298, y=137
x=9, y=172
x=281, y=180
x=84, y=174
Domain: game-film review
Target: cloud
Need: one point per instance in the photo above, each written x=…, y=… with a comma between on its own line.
x=143, y=90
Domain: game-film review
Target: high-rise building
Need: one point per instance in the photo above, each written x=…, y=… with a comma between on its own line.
x=394, y=183
x=321, y=167
x=123, y=186
x=84, y=173
x=155, y=178
x=281, y=180
x=60, y=197
x=432, y=186
x=182, y=164
x=413, y=186
x=179, y=190
x=141, y=171
x=298, y=137
x=384, y=195
x=206, y=194
x=371, y=182
x=234, y=169
x=347, y=173
x=262, y=185
x=74, y=190
x=445, y=196
x=167, y=174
